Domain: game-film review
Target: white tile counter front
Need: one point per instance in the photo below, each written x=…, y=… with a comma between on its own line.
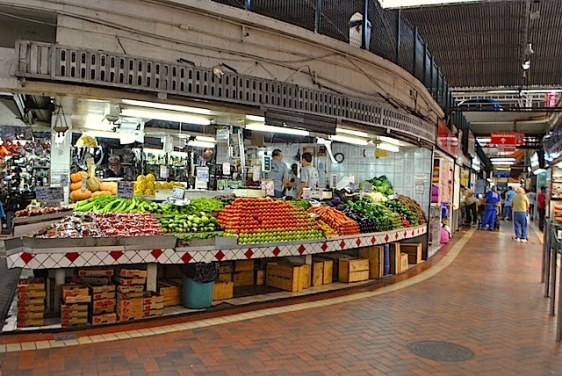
x=55, y=258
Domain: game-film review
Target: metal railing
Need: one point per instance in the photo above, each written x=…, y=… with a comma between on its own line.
x=383, y=32
x=552, y=271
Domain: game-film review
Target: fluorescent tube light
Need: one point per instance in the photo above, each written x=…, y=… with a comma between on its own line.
x=349, y=140
x=270, y=129
x=164, y=106
x=255, y=118
x=206, y=139
x=352, y=132
x=503, y=160
x=166, y=115
x=419, y=3
x=393, y=141
x=388, y=147
x=505, y=163
x=200, y=144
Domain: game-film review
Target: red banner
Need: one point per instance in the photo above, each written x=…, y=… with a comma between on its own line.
x=507, y=139
x=446, y=139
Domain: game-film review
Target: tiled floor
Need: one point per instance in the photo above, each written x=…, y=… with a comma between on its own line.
x=487, y=298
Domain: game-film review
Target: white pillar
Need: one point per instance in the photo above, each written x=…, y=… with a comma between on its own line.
x=59, y=281
x=152, y=277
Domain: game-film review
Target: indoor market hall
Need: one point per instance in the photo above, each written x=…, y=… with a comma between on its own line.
x=304, y=187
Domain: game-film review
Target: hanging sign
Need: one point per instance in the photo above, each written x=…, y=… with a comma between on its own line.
x=506, y=138
x=50, y=196
x=202, y=174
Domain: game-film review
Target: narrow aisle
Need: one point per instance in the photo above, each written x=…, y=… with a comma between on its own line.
x=488, y=300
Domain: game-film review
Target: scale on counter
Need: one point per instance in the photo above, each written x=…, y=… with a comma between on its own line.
x=178, y=197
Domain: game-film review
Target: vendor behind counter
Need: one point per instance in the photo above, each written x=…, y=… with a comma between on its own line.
x=279, y=173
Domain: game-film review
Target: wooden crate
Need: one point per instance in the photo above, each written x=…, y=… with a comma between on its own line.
x=225, y=277
x=260, y=277
x=394, y=256
x=244, y=265
x=317, y=273
x=245, y=278
x=226, y=267
x=375, y=255
x=353, y=270
x=288, y=277
x=133, y=273
x=334, y=257
x=414, y=251
x=223, y=290
x=403, y=262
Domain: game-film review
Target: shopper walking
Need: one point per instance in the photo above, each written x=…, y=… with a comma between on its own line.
x=491, y=201
x=507, y=206
x=520, y=212
x=471, y=202
x=541, y=207
x=279, y=173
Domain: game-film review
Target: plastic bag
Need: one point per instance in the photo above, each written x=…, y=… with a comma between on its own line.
x=202, y=272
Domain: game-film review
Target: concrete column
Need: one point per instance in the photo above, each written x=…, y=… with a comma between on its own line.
x=152, y=277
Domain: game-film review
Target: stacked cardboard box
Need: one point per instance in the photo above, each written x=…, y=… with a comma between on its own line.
x=96, y=276
x=153, y=304
x=31, y=302
x=171, y=292
x=75, y=305
x=130, y=294
x=103, y=304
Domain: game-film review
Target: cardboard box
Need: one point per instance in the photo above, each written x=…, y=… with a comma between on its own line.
x=108, y=318
x=245, y=278
x=31, y=294
x=414, y=251
x=103, y=310
x=24, y=323
x=131, y=317
x=153, y=313
x=30, y=315
x=33, y=307
x=31, y=284
x=375, y=255
x=102, y=289
x=96, y=272
x=226, y=267
x=77, y=299
x=96, y=281
x=225, y=277
x=223, y=290
x=353, y=270
x=129, y=295
x=103, y=295
x=133, y=273
x=403, y=262
x=74, y=321
x=151, y=298
x=75, y=294
x=125, y=281
x=70, y=308
x=130, y=289
x=244, y=265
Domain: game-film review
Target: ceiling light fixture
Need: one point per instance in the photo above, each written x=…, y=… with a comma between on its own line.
x=388, y=147
x=166, y=115
x=255, y=118
x=526, y=65
x=352, y=132
x=164, y=106
x=349, y=140
x=206, y=139
x=200, y=144
x=258, y=127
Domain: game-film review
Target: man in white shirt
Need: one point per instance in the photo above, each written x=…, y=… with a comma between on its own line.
x=309, y=174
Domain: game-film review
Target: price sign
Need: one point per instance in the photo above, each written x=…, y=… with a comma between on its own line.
x=51, y=196
x=203, y=174
x=226, y=168
x=125, y=189
x=178, y=193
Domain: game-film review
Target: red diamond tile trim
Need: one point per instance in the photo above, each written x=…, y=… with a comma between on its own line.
x=156, y=253
x=186, y=257
x=396, y=236
x=249, y=253
x=72, y=256
x=26, y=257
x=342, y=244
x=358, y=242
x=301, y=249
x=386, y=238
x=220, y=255
x=373, y=240
x=405, y=234
x=276, y=251
x=324, y=246
x=413, y=233
x=116, y=254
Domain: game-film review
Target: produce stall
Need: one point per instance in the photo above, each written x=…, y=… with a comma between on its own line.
x=97, y=254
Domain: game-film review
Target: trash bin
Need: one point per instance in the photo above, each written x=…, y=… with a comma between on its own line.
x=197, y=284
